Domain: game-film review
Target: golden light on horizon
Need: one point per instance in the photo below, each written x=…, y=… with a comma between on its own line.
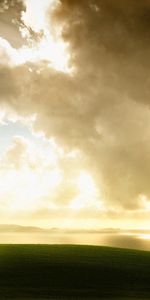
x=144, y=236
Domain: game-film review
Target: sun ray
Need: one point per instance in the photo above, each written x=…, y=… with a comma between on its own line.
x=87, y=192
x=43, y=40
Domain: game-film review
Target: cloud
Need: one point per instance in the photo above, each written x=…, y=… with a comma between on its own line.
x=103, y=107
x=41, y=41
x=9, y=20
x=28, y=175
x=15, y=154
x=34, y=178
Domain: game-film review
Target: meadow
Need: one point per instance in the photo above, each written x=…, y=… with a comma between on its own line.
x=73, y=272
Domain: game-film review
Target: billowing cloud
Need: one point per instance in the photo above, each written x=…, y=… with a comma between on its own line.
x=34, y=178
x=102, y=106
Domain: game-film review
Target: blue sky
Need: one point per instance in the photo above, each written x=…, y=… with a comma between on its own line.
x=10, y=129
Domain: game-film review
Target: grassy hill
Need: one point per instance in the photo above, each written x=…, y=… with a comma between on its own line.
x=73, y=272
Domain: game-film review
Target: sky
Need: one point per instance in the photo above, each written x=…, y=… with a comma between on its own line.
x=74, y=113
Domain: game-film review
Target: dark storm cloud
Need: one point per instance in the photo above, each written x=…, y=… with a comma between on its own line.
x=111, y=44
x=103, y=109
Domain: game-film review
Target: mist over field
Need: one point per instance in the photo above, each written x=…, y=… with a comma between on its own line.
x=131, y=239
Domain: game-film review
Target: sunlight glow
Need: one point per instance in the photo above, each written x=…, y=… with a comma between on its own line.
x=33, y=187
x=87, y=196
x=48, y=45
x=144, y=236
x=33, y=177
x=43, y=40
x=28, y=174
x=145, y=202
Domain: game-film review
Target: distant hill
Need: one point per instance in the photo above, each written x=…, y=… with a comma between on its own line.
x=13, y=228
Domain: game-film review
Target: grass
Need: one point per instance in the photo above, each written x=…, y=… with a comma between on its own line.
x=73, y=272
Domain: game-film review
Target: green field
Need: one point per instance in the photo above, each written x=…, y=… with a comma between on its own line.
x=73, y=272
